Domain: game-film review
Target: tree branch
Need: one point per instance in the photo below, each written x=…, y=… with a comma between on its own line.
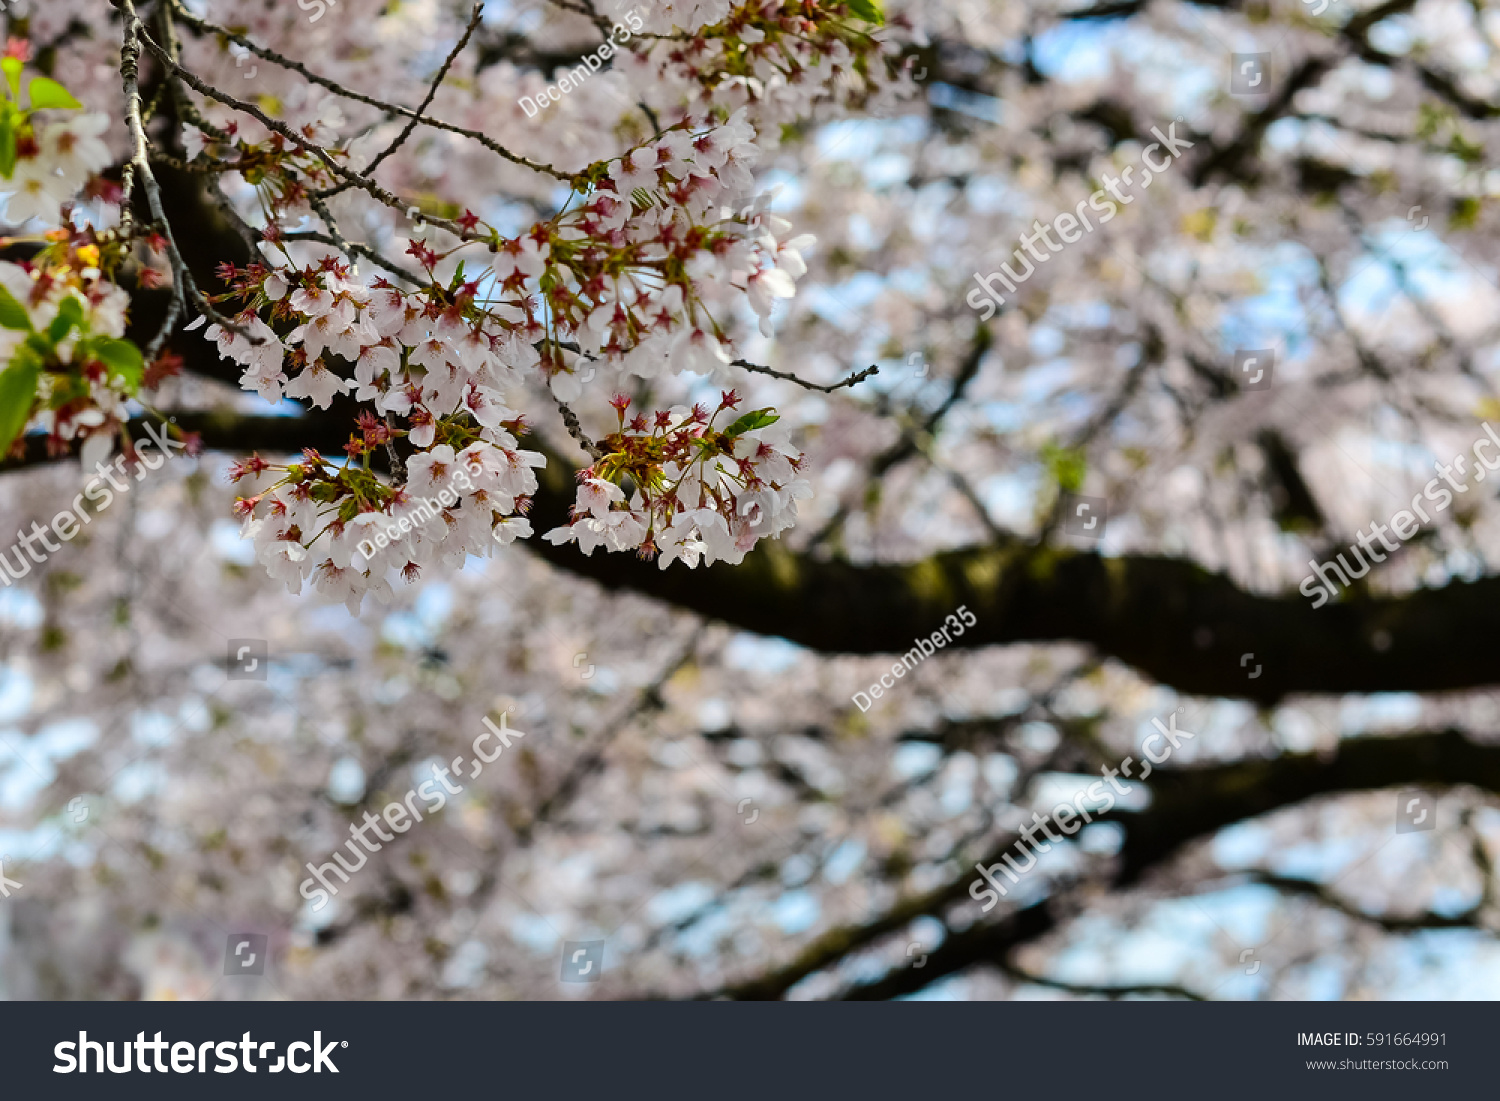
x=1166, y=617
x=852, y=380
x=411, y=123
x=1186, y=805
x=139, y=168
x=203, y=26
x=1391, y=923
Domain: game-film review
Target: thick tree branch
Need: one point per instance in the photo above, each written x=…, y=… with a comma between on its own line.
x=1167, y=617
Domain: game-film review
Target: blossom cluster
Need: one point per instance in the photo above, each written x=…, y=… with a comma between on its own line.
x=43, y=166
x=68, y=368
x=346, y=531
x=781, y=59
x=629, y=275
x=66, y=365
x=697, y=493
x=653, y=256
x=624, y=277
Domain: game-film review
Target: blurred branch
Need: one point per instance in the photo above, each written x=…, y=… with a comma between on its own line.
x=913, y=440
x=1186, y=805
x=1391, y=923
x=1128, y=990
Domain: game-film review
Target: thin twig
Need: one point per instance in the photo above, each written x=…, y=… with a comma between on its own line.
x=276, y=126
x=203, y=26
x=398, y=468
x=199, y=168
x=570, y=419
x=358, y=250
x=857, y=377
x=320, y=206
x=437, y=81
x=588, y=11
x=248, y=233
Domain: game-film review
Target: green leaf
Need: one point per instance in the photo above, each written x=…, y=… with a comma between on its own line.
x=122, y=358
x=757, y=418
x=44, y=92
x=13, y=67
x=17, y=393
x=1066, y=465
x=7, y=143
x=69, y=316
x=66, y=388
x=868, y=10
x=12, y=313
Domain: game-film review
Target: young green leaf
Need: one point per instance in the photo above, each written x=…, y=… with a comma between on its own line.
x=69, y=315
x=17, y=393
x=7, y=142
x=1067, y=465
x=13, y=67
x=757, y=418
x=123, y=360
x=65, y=389
x=44, y=92
x=12, y=313
x=868, y=10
